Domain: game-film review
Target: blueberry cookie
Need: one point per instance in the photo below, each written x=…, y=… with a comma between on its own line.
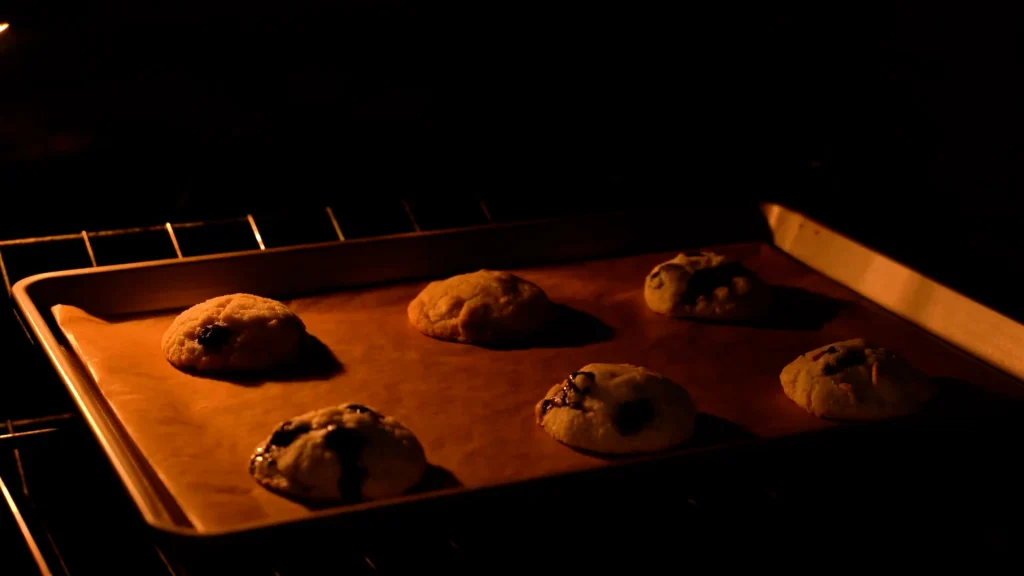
x=617, y=409
x=345, y=453
x=233, y=333
x=854, y=381
x=704, y=285
x=484, y=307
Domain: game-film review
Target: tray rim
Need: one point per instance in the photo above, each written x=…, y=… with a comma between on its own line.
x=860, y=269
x=954, y=318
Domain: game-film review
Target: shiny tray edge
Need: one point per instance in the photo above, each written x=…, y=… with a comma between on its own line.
x=968, y=325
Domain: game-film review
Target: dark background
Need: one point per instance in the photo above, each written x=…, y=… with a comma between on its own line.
x=895, y=122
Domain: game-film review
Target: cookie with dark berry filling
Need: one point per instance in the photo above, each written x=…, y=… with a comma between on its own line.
x=617, y=409
x=705, y=285
x=234, y=333
x=342, y=454
x=853, y=380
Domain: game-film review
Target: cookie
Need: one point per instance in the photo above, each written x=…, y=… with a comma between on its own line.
x=485, y=307
x=343, y=453
x=852, y=380
x=705, y=285
x=617, y=409
x=233, y=333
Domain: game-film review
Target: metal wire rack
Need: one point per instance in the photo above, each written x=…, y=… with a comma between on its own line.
x=172, y=230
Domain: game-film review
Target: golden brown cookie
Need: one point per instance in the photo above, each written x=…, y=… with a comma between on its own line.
x=485, y=307
x=343, y=453
x=705, y=285
x=617, y=409
x=233, y=333
x=851, y=380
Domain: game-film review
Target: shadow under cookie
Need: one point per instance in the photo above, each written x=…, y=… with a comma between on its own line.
x=953, y=399
x=315, y=362
x=711, y=430
x=567, y=328
x=708, y=430
x=789, y=308
x=954, y=396
x=794, y=308
x=434, y=478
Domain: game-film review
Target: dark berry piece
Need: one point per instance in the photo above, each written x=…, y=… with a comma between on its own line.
x=572, y=379
x=286, y=433
x=213, y=336
x=706, y=280
x=569, y=396
x=631, y=417
x=852, y=358
x=348, y=445
x=829, y=350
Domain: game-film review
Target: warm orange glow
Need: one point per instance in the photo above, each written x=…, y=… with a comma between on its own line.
x=3, y=27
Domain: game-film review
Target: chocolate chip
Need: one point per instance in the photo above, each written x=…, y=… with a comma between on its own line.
x=704, y=281
x=358, y=408
x=631, y=417
x=572, y=381
x=829, y=350
x=286, y=434
x=561, y=401
x=854, y=357
x=567, y=396
x=213, y=336
x=348, y=445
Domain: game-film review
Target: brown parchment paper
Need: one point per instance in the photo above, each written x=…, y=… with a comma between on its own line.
x=471, y=407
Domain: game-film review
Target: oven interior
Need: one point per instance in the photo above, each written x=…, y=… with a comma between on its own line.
x=132, y=133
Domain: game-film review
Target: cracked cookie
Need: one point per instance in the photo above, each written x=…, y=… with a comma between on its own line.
x=617, y=409
x=852, y=380
x=233, y=333
x=345, y=453
x=485, y=307
x=705, y=285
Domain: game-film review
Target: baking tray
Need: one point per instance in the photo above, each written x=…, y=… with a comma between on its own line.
x=832, y=289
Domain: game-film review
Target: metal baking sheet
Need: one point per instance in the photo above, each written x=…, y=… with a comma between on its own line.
x=181, y=443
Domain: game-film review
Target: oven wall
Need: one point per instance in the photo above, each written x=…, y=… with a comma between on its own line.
x=895, y=122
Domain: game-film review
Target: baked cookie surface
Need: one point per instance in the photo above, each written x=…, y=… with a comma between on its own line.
x=852, y=380
x=705, y=285
x=343, y=453
x=484, y=307
x=617, y=409
x=233, y=333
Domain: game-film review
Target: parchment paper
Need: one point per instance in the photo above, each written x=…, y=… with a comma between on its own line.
x=471, y=407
